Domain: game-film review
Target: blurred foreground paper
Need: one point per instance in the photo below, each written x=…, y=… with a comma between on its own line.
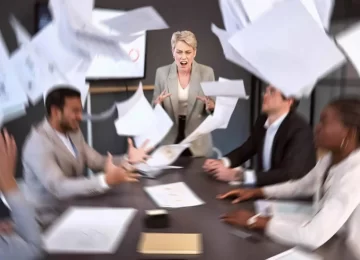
x=290, y=56
x=224, y=88
x=135, y=115
x=158, y=130
x=137, y=20
x=296, y=254
x=88, y=230
x=233, y=15
x=349, y=40
x=174, y=195
x=166, y=155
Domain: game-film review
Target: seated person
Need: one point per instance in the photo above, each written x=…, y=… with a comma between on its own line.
x=55, y=154
x=334, y=181
x=19, y=233
x=282, y=141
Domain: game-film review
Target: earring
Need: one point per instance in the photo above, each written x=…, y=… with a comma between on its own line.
x=343, y=143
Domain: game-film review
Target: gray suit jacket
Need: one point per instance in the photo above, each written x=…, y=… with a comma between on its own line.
x=167, y=79
x=52, y=173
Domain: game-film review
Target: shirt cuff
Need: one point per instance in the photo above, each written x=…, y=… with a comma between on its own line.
x=249, y=177
x=226, y=162
x=102, y=182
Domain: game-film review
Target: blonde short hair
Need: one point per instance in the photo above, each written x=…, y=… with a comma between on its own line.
x=185, y=36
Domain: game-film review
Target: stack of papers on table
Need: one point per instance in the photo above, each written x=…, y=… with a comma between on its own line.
x=170, y=244
x=174, y=195
x=296, y=254
x=88, y=230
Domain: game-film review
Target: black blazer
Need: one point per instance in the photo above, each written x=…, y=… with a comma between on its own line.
x=293, y=152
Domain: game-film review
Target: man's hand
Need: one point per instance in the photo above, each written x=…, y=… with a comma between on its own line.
x=211, y=164
x=223, y=173
x=240, y=218
x=242, y=195
x=115, y=175
x=8, y=156
x=138, y=155
x=209, y=103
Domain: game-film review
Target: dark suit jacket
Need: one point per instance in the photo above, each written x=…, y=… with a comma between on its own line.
x=293, y=152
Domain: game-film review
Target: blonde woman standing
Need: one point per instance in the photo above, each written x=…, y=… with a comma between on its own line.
x=178, y=90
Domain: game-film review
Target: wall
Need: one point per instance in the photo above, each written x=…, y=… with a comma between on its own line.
x=196, y=16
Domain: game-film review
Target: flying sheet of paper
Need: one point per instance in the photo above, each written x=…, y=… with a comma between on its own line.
x=296, y=254
x=256, y=8
x=137, y=20
x=13, y=112
x=349, y=41
x=23, y=37
x=88, y=230
x=135, y=115
x=325, y=10
x=101, y=116
x=224, y=88
x=166, y=155
x=233, y=15
x=224, y=109
x=83, y=37
x=174, y=195
x=301, y=48
x=230, y=53
x=159, y=129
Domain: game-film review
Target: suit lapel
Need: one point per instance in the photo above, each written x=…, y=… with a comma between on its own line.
x=194, y=88
x=52, y=135
x=172, y=85
x=281, y=132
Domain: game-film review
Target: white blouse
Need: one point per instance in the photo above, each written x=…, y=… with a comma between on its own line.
x=338, y=210
x=183, y=94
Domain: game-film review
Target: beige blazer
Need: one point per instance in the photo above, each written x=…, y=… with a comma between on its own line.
x=167, y=79
x=52, y=174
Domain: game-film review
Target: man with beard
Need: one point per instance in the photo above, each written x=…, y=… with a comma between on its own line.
x=55, y=155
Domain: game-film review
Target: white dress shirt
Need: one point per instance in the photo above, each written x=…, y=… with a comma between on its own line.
x=72, y=149
x=250, y=176
x=337, y=212
x=183, y=95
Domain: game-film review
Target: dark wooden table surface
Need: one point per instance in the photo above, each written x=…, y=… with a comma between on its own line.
x=218, y=242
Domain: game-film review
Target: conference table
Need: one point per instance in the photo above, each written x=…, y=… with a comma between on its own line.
x=218, y=241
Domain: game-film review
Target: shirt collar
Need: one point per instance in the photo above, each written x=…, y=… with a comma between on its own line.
x=276, y=123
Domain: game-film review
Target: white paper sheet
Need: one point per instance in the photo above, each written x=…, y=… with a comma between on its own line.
x=325, y=10
x=349, y=41
x=88, y=230
x=256, y=8
x=135, y=115
x=224, y=88
x=166, y=155
x=23, y=37
x=137, y=20
x=174, y=195
x=159, y=129
x=233, y=15
x=296, y=254
x=291, y=56
x=224, y=109
x=230, y=53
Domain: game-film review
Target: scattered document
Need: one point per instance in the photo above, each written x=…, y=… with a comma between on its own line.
x=101, y=116
x=174, y=195
x=296, y=254
x=325, y=9
x=135, y=115
x=224, y=109
x=88, y=230
x=230, y=53
x=137, y=20
x=159, y=129
x=294, y=210
x=256, y=8
x=224, y=88
x=293, y=56
x=349, y=41
x=234, y=15
x=166, y=155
